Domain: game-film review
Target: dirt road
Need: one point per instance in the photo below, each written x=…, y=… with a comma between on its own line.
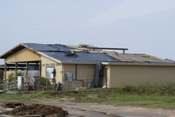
x=76, y=109
x=102, y=110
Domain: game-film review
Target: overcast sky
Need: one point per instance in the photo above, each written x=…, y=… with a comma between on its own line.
x=143, y=26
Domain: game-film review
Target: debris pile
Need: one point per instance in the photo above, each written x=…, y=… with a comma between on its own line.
x=37, y=110
x=12, y=104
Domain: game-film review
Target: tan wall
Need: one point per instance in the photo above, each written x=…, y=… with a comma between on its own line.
x=47, y=62
x=23, y=55
x=135, y=75
x=69, y=68
x=83, y=73
x=86, y=73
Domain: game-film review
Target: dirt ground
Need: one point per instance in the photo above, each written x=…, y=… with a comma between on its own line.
x=77, y=109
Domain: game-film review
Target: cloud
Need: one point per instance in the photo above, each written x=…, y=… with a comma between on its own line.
x=131, y=8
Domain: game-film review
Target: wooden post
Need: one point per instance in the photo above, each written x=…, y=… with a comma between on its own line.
x=5, y=73
x=46, y=84
x=27, y=68
x=40, y=67
x=27, y=87
x=16, y=69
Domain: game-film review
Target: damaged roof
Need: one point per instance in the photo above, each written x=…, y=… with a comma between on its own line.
x=81, y=56
x=139, y=58
x=65, y=53
x=48, y=47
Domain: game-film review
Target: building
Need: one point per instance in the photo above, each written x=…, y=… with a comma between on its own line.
x=87, y=66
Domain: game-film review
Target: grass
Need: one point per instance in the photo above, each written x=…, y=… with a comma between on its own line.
x=31, y=96
x=146, y=100
x=148, y=95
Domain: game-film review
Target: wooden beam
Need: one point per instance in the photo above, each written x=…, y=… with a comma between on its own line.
x=27, y=78
x=5, y=72
x=107, y=48
x=16, y=69
x=27, y=69
x=40, y=67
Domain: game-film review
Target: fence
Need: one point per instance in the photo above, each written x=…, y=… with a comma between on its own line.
x=31, y=82
x=70, y=81
x=1, y=75
x=11, y=82
x=8, y=84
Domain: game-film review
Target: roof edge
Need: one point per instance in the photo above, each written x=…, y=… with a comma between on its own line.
x=139, y=64
x=51, y=58
x=5, y=55
x=9, y=51
x=92, y=63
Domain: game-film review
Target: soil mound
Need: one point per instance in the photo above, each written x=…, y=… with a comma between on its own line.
x=39, y=110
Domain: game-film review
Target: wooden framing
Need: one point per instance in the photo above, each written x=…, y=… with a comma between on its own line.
x=5, y=72
x=27, y=69
x=23, y=55
x=40, y=67
x=16, y=69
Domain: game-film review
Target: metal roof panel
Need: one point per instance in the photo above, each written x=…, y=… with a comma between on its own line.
x=47, y=47
x=81, y=57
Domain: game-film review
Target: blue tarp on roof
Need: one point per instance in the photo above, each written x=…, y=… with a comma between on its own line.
x=63, y=53
x=47, y=47
x=81, y=57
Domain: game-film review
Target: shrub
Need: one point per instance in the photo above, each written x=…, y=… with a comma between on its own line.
x=43, y=81
x=19, y=74
x=125, y=88
x=11, y=76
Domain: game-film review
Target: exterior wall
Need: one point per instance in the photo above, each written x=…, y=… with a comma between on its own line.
x=69, y=68
x=49, y=63
x=139, y=74
x=23, y=55
x=83, y=73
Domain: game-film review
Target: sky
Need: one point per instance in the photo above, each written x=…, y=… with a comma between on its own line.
x=142, y=26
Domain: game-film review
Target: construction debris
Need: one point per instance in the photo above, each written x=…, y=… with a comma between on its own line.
x=36, y=110
x=12, y=104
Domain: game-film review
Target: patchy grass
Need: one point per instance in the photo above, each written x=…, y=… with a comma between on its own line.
x=144, y=100
x=147, y=95
x=31, y=96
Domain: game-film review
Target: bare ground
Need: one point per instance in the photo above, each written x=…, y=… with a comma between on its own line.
x=77, y=109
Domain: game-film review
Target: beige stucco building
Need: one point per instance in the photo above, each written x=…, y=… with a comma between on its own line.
x=88, y=66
